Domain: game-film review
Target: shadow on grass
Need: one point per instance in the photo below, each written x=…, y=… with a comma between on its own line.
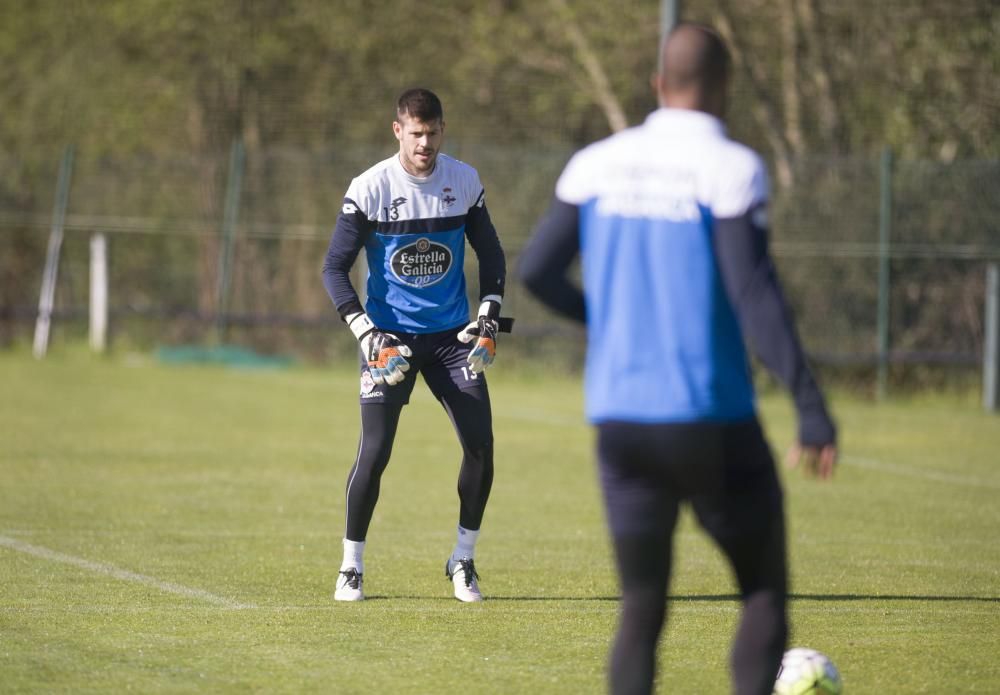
x=490, y=599
x=841, y=597
x=890, y=597
x=695, y=598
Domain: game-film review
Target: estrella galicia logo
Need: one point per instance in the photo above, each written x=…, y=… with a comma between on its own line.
x=422, y=263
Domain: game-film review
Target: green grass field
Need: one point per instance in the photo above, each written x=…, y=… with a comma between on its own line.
x=177, y=529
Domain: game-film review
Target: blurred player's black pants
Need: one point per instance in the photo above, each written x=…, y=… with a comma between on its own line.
x=727, y=474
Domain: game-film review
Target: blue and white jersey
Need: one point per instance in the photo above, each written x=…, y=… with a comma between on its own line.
x=664, y=343
x=413, y=231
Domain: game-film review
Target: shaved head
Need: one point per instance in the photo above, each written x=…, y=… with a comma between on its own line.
x=694, y=69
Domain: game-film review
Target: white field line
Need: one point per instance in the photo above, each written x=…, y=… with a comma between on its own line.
x=118, y=573
x=545, y=417
x=924, y=474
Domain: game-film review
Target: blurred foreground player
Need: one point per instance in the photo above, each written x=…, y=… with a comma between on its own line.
x=669, y=219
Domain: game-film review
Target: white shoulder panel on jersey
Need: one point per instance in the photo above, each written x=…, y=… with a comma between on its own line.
x=668, y=167
x=579, y=181
x=451, y=189
x=364, y=187
x=464, y=179
x=741, y=178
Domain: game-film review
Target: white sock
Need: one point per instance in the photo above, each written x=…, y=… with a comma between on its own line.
x=353, y=556
x=465, y=544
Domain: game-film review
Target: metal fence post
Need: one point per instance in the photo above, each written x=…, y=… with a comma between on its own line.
x=230, y=216
x=47, y=296
x=670, y=14
x=991, y=340
x=884, y=235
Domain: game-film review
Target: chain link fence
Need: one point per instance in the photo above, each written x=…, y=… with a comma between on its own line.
x=164, y=220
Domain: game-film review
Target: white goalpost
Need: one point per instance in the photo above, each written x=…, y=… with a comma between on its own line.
x=98, y=292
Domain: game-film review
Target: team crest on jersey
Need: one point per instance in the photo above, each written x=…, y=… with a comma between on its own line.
x=422, y=263
x=447, y=198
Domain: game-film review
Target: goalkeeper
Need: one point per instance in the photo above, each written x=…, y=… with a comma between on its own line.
x=412, y=214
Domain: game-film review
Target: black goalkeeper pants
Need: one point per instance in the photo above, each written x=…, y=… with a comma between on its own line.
x=727, y=474
x=471, y=416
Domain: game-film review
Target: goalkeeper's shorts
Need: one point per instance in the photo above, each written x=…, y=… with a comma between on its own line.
x=439, y=357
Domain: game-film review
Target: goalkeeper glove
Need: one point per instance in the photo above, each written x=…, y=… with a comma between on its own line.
x=386, y=353
x=484, y=332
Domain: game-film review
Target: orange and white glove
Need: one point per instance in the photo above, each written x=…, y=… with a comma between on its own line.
x=386, y=353
x=482, y=333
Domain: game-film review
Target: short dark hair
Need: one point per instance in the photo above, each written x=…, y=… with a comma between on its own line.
x=421, y=104
x=699, y=57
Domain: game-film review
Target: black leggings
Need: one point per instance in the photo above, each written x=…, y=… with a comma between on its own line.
x=470, y=414
x=727, y=474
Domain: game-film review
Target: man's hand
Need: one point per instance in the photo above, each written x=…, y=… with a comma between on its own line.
x=386, y=354
x=484, y=332
x=819, y=461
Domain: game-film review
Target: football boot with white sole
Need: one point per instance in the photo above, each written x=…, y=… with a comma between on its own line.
x=463, y=576
x=349, y=586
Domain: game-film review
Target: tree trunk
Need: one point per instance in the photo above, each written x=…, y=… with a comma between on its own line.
x=827, y=113
x=791, y=96
x=599, y=83
x=764, y=110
